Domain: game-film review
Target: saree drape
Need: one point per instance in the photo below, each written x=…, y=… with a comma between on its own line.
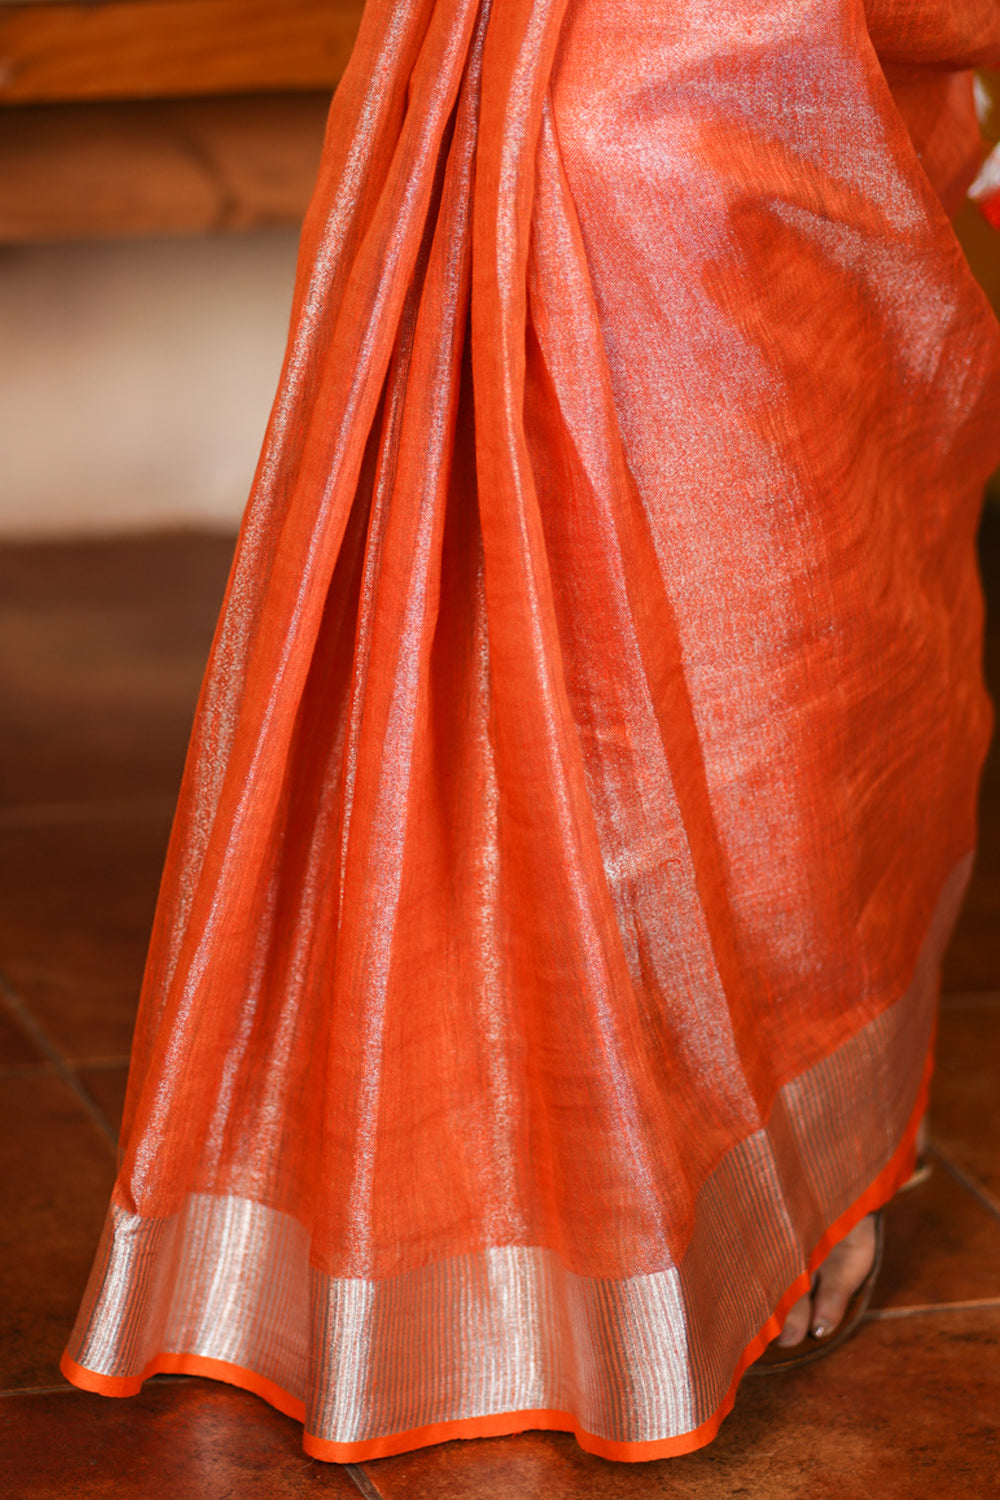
x=583, y=784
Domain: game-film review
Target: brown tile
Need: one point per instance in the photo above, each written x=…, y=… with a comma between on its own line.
x=965, y=1100
x=193, y=1439
x=57, y=1171
x=106, y=1086
x=76, y=907
x=910, y=1410
x=102, y=649
x=84, y=1018
x=941, y=1245
x=16, y=1047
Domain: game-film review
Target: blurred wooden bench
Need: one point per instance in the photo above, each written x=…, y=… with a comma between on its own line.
x=164, y=116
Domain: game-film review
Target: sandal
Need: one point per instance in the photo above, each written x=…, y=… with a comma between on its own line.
x=922, y=1169
x=775, y=1357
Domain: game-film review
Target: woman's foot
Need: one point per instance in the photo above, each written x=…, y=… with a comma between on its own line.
x=820, y=1311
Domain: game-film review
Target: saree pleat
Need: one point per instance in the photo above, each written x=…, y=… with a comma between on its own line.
x=583, y=786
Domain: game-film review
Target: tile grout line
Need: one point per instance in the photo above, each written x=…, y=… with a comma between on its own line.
x=970, y=1000
x=66, y=1389
x=367, y=1486
x=94, y=1064
x=965, y=1179
x=25, y=1070
x=65, y=814
x=39, y=1036
x=886, y=1314
x=37, y=1390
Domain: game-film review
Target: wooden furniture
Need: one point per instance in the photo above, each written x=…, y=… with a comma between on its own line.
x=164, y=116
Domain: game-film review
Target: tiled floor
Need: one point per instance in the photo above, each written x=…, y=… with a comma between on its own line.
x=101, y=650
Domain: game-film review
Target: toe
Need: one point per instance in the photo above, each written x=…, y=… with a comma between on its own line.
x=829, y=1310
x=840, y=1275
x=796, y=1323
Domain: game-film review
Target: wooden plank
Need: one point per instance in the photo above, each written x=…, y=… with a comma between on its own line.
x=140, y=49
x=76, y=171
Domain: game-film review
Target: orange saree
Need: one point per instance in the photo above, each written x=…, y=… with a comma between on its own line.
x=583, y=784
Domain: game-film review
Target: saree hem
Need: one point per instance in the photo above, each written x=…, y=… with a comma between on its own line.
x=505, y=1424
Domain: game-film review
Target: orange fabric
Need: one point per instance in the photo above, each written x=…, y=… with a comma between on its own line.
x=940, y=115
x=506, y=1423
x=584, y=780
